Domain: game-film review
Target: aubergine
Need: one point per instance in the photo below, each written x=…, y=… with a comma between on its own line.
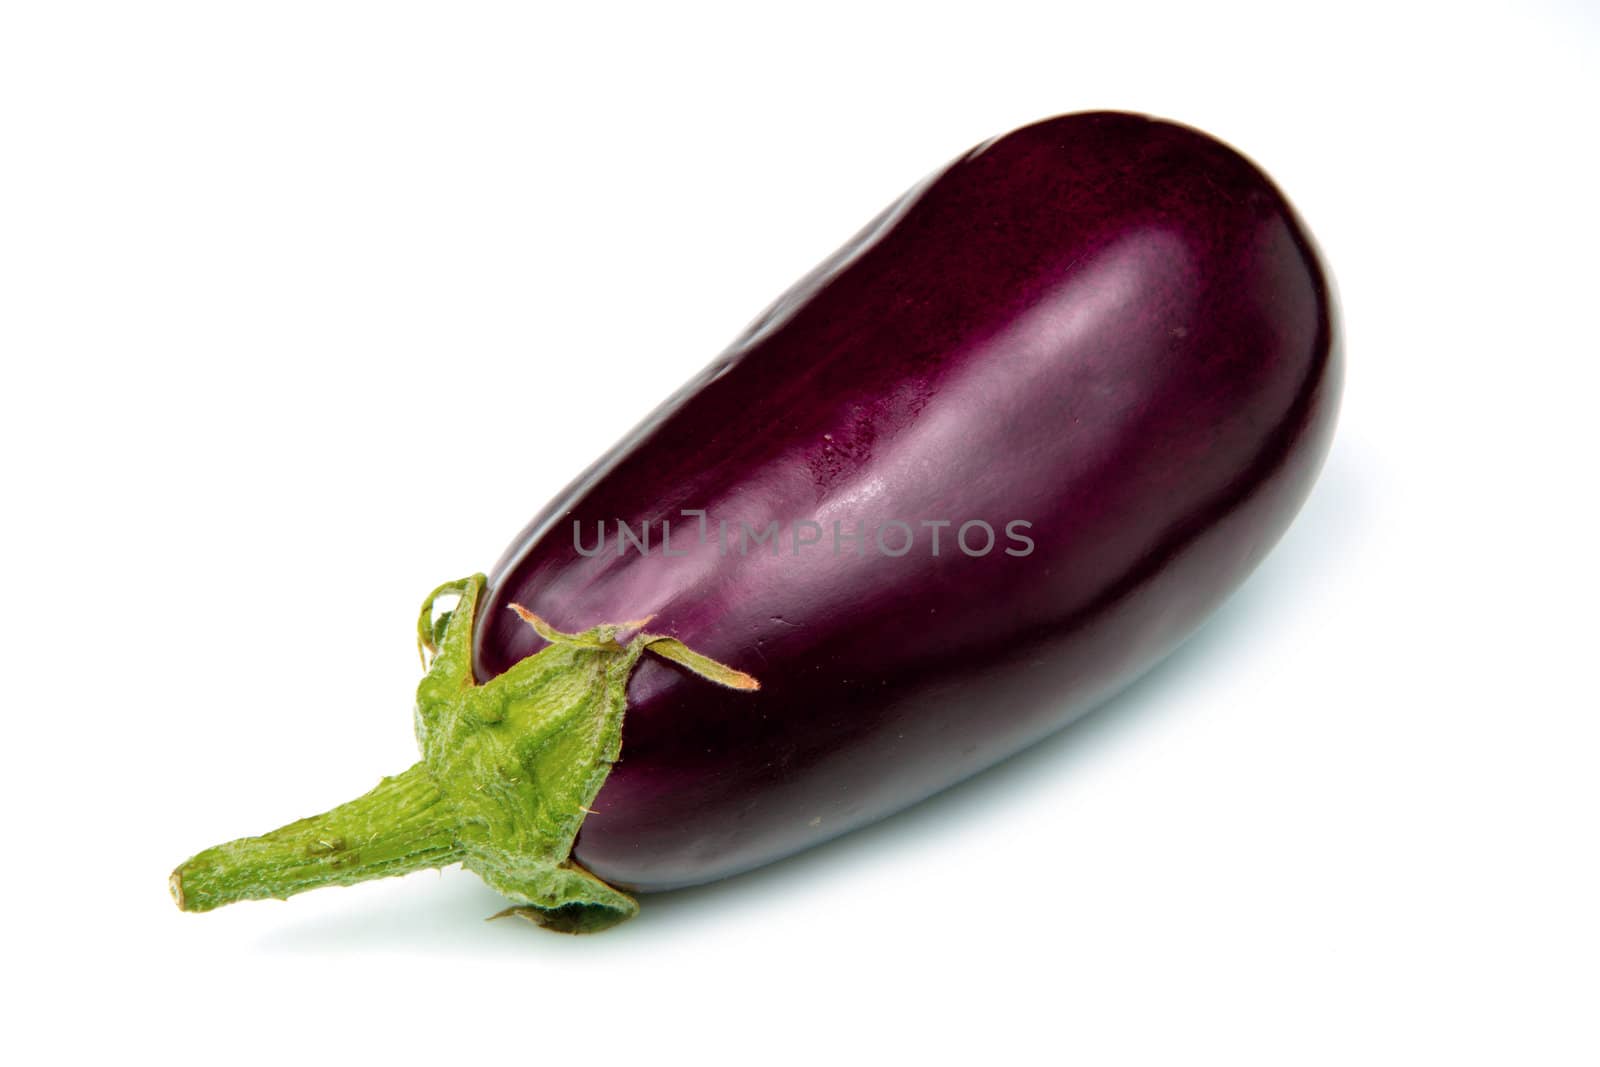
x=974, y=474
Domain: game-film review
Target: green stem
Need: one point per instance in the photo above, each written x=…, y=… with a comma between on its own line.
x=403, y=825
x=509, y=770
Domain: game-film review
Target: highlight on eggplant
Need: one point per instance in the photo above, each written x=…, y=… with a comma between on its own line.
x=1105, y=335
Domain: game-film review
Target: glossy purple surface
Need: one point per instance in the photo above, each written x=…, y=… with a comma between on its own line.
x=1111, y=327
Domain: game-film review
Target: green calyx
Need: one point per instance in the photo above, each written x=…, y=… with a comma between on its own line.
x=508, y=772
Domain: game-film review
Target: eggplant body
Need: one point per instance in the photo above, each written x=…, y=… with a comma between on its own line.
x=1112, y=328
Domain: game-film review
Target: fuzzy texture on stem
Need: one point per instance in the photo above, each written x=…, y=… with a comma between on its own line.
x=508, y=772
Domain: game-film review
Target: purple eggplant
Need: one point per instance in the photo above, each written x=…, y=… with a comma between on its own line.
x=979, y=470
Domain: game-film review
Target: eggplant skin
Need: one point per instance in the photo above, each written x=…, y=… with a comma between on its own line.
x=1112, y=327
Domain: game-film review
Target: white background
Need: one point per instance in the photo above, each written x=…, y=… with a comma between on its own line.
x=305, y=308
